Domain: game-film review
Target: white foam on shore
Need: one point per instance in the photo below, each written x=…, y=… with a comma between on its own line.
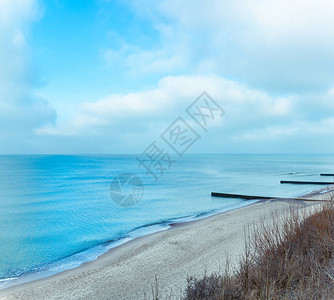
x=93, y=253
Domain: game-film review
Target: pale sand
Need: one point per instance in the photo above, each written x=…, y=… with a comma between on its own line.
x=128, y=271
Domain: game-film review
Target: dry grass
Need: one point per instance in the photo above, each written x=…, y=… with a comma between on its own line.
x=287, y=259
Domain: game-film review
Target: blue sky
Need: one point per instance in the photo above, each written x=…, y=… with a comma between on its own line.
x=109, y=76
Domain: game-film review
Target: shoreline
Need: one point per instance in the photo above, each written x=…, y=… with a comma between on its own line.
x=124, y=253
x=110, y=245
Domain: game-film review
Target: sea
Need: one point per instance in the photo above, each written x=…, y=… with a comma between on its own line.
x=60, y=211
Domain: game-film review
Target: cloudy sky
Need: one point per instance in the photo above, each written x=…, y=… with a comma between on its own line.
x=109, y=76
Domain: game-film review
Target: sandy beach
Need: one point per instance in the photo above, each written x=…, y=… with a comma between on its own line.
x=166, y=150
x=129, y=271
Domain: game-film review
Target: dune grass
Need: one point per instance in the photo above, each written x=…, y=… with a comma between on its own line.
x=286, y=259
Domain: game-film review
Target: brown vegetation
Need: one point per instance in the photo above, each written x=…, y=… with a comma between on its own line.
x=289, y=259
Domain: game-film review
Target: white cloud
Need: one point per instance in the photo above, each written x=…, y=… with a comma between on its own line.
x=21, y=111
x=252, y=116
x=266, y=134
x=282, y=46
x=137, y=60
x=268, y=63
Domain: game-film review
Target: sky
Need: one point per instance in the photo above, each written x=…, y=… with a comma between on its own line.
x=109, y=76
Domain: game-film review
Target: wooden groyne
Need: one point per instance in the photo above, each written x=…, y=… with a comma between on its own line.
x=306, y=182
x=327, y=175
x=237, y=196
x=249, y=197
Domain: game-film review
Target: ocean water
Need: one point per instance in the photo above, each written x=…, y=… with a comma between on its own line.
x=56, y=211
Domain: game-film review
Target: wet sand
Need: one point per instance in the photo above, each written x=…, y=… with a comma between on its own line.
x=129, y=271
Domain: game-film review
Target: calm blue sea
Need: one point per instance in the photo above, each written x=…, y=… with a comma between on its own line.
x=56, y=211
